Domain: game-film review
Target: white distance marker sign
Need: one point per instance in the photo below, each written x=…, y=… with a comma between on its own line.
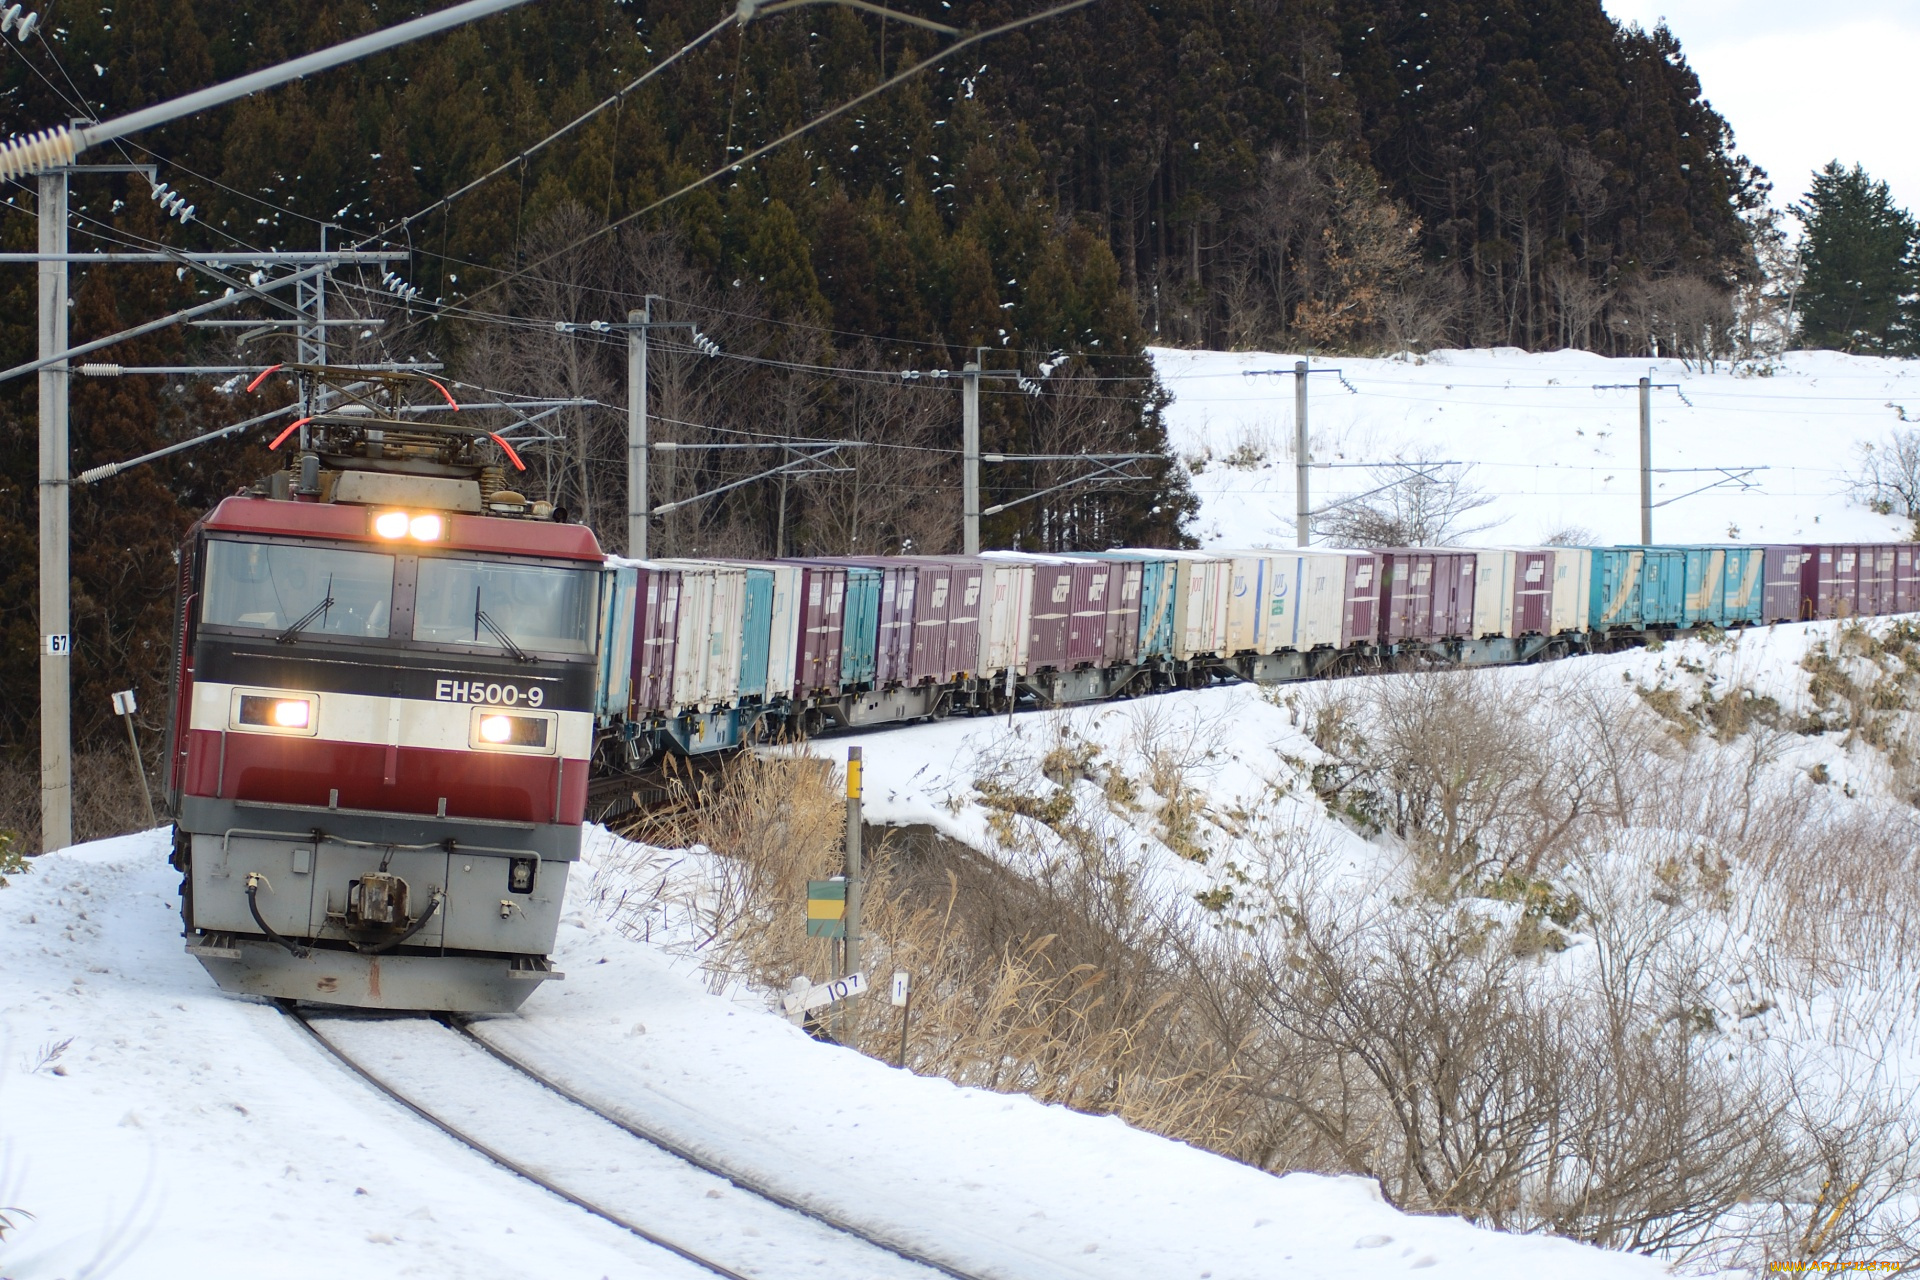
x=825, y=994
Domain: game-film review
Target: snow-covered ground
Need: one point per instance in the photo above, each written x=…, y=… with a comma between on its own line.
x=1553, y=451
x=155, y=1127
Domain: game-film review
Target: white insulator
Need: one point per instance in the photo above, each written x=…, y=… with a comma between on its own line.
x=187, y=212
x=37, y=152
x=99, y=370
x=27, y=24
x=11, y=12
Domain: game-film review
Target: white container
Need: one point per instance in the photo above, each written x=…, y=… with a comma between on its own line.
x=706, y=673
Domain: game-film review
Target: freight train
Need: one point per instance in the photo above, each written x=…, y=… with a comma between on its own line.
x=396, y=678
x=707, y=655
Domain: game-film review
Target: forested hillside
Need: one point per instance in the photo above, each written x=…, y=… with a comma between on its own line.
x=1355, y=175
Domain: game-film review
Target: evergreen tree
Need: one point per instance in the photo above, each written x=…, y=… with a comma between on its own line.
x=1860, y=264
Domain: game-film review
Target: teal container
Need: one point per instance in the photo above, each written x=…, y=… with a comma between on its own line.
x=860, y=639
x=1635, y=588
x=756, y=633
x=1746, y=587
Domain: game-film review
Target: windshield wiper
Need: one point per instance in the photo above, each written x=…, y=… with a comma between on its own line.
x=318, y=611
x=481, y=618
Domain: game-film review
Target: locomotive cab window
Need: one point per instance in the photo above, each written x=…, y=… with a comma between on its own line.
x=531, y=607
x=302, y=590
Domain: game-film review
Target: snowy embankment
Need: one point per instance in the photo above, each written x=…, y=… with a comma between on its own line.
x=156, y=1127
x=1552, y=450
x=1712, y=840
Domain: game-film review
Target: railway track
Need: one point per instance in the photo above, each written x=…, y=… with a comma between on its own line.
x=500, y=1107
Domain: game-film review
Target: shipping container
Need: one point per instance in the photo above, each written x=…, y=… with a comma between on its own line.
x=706, y=672
x=1066, y=620
x=1122, y=596
x=1007, y=599
x=1877, y=579
x=821, y=593
x=1745, y=569
x=947, y=623
x=656, y=638
x=756, y=634
x=1783, y=579
x=1906, y=578
x=1704, y=593
x=1199, y=600
x=1360, y=619
x=1153, y=636
x=1428, y=595
x=1496, y=573
x=1572, y=589
x=615, y=691
x=1638, y=587
x=1532, y=612
x=860, y=632
x=1313, y=617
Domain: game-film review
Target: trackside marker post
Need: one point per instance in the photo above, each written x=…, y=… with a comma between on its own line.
x=826, y=993
x=124, y=705
x=903, y=1001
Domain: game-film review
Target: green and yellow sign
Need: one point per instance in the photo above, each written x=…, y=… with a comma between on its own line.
x=826, y=908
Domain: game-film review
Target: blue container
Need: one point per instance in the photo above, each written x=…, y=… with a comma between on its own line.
x=1635, y=588
x=756, y=633
x=1705, y=596
x=860, y=640
x=1745, y=593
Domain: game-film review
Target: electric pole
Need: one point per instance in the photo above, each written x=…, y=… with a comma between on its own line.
x=1302, y=441
x=970, y=457
x=970, y=375
x=1646, y=387
x=1302, y=508
x=639, y=324
x=637, y=517
x=1646, y=462
x=56, y=638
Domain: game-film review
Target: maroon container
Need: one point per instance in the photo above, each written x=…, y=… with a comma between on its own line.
x=1783, y=595
x=1360, y=621
x=1429, y=595
x=656, y=629
x=1876, y=579
x=823, y=593
x=1050, y=620
x=1087, y=633
x=1532, y=593
x=1906, y=578
x=947, y=620
x=1121, y=596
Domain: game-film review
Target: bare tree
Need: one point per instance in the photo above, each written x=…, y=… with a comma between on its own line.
x=1887, y=477
x=1416, y=503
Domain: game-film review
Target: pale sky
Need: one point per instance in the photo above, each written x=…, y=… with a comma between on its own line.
x=1805, y=83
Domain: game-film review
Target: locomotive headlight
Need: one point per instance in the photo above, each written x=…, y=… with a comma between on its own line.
x=275, y=712
x=531, y=732
x=426, y=528
x=391, y=524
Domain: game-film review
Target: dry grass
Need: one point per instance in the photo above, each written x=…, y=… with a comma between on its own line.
x=106, y=798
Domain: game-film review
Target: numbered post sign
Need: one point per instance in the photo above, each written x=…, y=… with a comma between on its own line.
x=124, y=704
x=900, y=981
x=57, y=646
x=826, y=993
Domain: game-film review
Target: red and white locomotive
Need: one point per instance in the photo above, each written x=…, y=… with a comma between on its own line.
x=383, y=718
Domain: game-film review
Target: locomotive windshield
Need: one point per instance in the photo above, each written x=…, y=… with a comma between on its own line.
x=304, y=590
x=508, y=606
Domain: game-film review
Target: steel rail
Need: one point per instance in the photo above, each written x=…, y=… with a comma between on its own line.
x=504, y=1161
x=752, y=1186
